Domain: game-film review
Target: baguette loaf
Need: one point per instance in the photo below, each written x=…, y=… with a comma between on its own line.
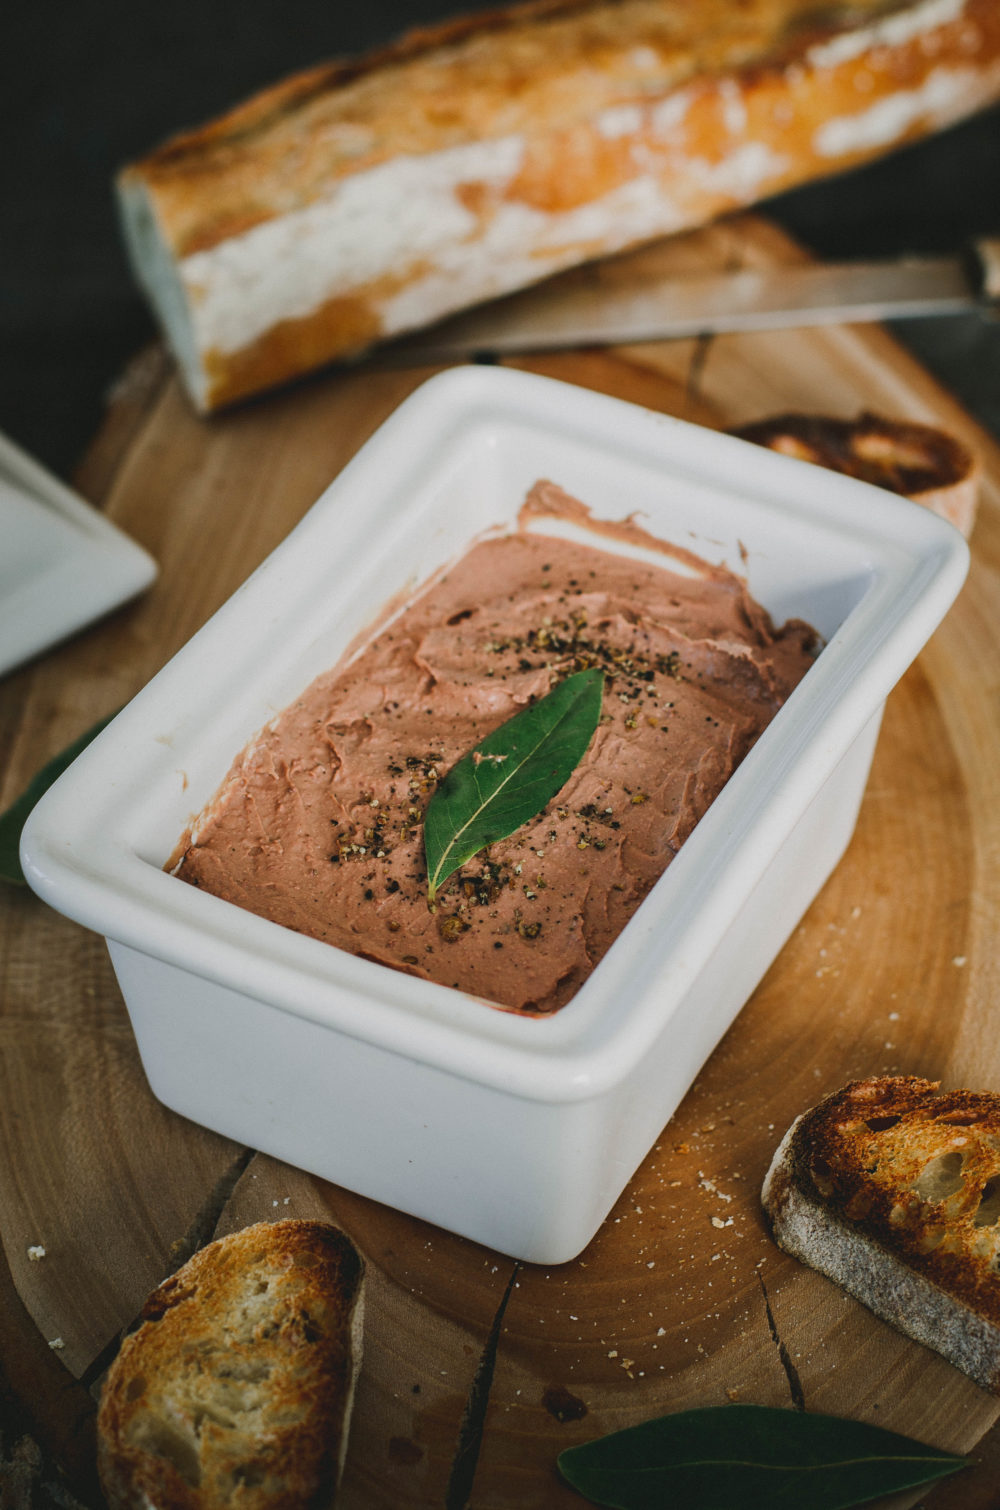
x=236, y=1387
x=892, y=1190
x=359, y=200
x=919, y=461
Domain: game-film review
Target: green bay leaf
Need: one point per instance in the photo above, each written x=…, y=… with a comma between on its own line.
x=510, y=776
x=13, y=819
x=750, y=1456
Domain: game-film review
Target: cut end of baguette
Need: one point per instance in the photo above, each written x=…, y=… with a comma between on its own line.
x=158, y=275
x=917, y=461
x=891, y=1188
x=237, y=1384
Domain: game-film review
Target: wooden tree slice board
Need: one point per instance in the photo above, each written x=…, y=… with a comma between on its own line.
x=479, y=1371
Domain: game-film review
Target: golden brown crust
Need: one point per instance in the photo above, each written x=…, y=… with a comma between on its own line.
x=676, y=112
x=265, y=109
x=539, y=68
x=914, y=1171
x=917, y=461
x=235, y=1388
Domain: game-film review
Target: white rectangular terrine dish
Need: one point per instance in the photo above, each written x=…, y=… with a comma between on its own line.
x=518, y=1132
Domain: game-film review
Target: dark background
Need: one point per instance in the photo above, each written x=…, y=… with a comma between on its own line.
x=86, y=86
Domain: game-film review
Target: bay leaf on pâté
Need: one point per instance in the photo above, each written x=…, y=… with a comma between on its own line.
x=510, y=775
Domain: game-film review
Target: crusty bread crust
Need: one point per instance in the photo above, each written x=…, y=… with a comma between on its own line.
x=892, y=1189
x=236, y=1387
x=918, y=461
x=356, y=201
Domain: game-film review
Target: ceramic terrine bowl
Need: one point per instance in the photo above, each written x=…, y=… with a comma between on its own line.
x=517, y=1131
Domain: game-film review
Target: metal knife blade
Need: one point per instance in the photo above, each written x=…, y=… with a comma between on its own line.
x=569, y=312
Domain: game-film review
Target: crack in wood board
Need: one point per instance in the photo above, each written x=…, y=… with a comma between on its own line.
x=473, y=1423
x=202, y=1230
x=791, y=1372
x=696, y=368
x=198, y=1235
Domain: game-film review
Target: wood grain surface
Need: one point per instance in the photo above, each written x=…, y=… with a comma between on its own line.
x=478, y=1371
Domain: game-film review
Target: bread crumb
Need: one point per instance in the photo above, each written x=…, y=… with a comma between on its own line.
x=960, y=960
x=56, y=1342
x=35, y=1252
x=710, y=1185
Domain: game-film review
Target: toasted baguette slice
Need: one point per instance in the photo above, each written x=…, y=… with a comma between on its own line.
x=362, y=199
x=892, y=1189
x=919, y=461
x=236, y=1388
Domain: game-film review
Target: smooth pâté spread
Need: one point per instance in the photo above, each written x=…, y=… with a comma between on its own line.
x=318, y=825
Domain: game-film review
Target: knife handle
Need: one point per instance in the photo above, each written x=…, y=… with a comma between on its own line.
x=986, y=252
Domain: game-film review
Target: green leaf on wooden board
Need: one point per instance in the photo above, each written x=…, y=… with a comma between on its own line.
x=749, y=1456
x=510, y=776
x=12, y=821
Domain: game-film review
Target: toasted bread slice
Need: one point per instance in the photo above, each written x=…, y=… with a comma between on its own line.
x=892, y=1189
x=918, y=461
x=236, y=1387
